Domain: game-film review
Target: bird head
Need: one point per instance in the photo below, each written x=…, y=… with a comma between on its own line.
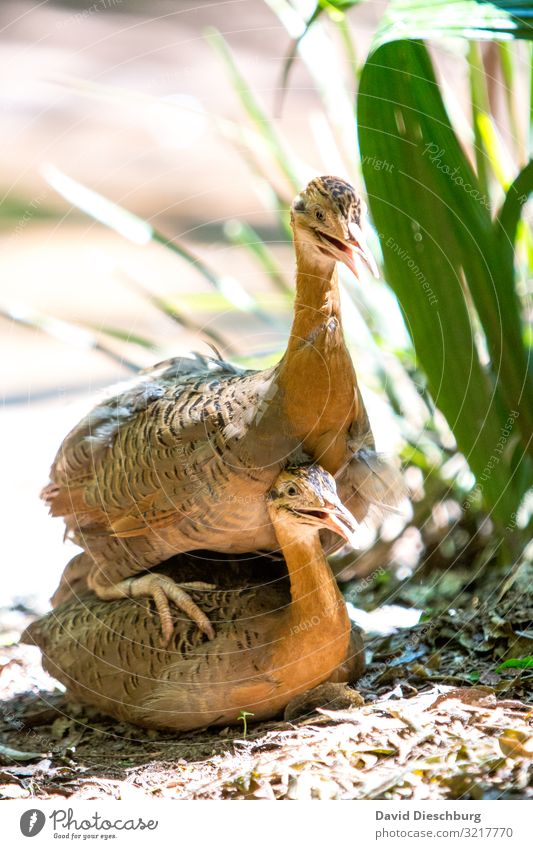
x=307, y=496
x=328, y=217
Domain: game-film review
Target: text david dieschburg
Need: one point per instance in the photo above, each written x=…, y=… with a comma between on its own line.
x=426, y=815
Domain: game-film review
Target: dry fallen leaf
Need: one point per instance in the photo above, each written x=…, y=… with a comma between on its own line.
x=516, y=744
x=467, y=695
x=8, y=755
x=13, y=791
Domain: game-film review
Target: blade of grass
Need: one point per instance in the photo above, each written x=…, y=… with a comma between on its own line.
x=122, y=335
x=507, y=62
x=479, y=102
x=327, y=75
x=497, y=156
x=530, y=125
x=506, y=224
x=170, y=311
x=63, y=331
x=255, y=111
x=348, y=43
x=243, y=234
x=335, y=10
x=247, y=141
x=141, y=232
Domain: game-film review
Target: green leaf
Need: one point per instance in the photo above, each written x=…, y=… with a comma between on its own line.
x=505, y=55
x=440, y=257
x=124, y=336
x=474, y=19
x=516, y=663
x=479, y=100
x=507, y=221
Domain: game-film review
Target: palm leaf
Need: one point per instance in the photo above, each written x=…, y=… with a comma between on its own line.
x=441, y=257
x=475, y=19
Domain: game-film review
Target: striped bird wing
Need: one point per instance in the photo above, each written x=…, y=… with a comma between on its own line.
x=109, y=653
x=139, y=457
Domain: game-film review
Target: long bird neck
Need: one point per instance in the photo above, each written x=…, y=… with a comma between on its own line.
x=316, y=374
x=317, y=627
x=317, y=309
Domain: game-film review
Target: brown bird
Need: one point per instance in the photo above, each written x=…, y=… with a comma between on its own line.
x=270, y=646
x=182, y=458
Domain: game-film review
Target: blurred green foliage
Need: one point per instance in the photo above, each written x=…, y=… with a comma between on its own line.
x=455, y=249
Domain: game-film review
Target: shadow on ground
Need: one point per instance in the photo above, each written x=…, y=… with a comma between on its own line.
x=441, y=719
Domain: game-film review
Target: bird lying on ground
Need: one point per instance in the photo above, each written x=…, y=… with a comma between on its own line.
x=270, y=645
x=182, y=458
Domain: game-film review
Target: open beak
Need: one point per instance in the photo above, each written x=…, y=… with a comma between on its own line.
x=346, y=251
x=360, y=247
x=338, y=519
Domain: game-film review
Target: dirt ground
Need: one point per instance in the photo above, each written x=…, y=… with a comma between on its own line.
x=442, y=718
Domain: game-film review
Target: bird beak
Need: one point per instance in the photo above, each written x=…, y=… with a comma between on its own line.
x=339, y=520
x=334, y=516
x=359, y=247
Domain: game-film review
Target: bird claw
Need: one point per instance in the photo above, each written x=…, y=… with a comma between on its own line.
x=166, y=589
x=163, y=589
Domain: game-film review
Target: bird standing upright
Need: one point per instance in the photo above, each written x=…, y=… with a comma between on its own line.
x=182, y=458
x=269, y=646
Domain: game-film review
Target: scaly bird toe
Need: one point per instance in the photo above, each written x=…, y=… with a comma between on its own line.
x=162, y=590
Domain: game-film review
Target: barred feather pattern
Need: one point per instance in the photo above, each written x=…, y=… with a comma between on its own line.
x=183, y=456
x=109, y=655
x=151, y=471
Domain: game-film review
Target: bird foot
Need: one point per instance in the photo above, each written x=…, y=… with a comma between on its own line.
x=162, y=590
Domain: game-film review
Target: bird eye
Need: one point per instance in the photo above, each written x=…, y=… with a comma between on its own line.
x=291, y=490
x=319, y=215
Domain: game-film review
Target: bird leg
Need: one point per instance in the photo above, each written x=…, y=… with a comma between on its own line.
x=161, y=589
